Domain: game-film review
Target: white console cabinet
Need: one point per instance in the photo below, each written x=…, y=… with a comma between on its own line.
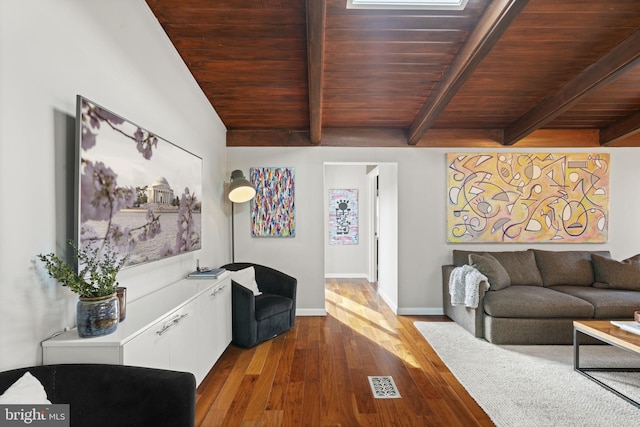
x=184, y=327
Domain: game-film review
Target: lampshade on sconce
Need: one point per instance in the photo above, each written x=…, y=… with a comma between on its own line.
x=240, y=189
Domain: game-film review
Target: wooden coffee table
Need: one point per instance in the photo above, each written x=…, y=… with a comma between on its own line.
x=604, y=331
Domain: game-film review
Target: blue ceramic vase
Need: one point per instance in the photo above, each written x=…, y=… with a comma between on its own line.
x=97, y=316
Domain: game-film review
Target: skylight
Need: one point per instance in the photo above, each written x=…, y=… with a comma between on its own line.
x=407, y=4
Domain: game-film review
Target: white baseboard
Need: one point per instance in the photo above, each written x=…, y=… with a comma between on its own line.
x=420, y=311
x=311, y=312
x=393, y=306
x=346, y=276
x=404, y=311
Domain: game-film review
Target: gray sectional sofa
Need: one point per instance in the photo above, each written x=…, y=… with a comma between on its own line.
x=535, y=295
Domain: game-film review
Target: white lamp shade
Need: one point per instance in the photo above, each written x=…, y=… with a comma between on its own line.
x=240, y=189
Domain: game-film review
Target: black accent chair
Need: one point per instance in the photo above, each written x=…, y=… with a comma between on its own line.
x=258, y=318
x=115, y=395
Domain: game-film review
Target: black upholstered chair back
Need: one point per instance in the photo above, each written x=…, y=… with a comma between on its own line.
x=256, y=319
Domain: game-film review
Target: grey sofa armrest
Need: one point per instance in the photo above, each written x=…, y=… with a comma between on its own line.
x=472, y=319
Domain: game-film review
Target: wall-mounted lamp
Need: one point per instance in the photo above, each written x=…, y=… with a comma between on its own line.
x=240, y=191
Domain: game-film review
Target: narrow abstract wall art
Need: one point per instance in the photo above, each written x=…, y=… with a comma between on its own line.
x=273, y=208
x=527, y=197
x=343, y=217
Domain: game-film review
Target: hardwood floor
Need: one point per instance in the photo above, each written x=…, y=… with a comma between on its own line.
x=316, y=373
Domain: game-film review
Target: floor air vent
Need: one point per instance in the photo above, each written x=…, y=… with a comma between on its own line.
x=384, y=387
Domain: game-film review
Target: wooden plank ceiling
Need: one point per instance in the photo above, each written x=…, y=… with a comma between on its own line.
x=500, y=72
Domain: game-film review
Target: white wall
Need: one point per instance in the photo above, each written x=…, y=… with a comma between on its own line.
x=116, y=54
x=421, y=239
x=348, y=261
x=388, y=254
x=301, y=256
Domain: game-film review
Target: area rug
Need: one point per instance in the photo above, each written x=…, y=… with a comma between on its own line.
x=536, y=386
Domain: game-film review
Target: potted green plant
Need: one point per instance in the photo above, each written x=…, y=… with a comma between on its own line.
x=95, y=283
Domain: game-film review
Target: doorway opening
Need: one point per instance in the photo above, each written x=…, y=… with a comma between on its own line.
x=373, y=256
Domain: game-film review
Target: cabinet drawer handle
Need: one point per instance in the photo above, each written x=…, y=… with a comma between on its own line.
x=170, y=324
x=165, y=328
x=217, y=291
x=179, y=318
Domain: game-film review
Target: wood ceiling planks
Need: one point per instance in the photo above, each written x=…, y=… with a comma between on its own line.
x=494, y=22
x=278, y=65
x=549, y=44
x=393, y=58
x=250, y=58
x=597, y=75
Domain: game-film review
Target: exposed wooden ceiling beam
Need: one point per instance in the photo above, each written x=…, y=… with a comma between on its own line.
x=611, y=66
x=494, y=22
x=316, y=13
x=397, y=138
x=268, y=138
x=620, y=129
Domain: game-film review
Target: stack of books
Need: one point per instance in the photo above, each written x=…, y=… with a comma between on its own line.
x=206, y=273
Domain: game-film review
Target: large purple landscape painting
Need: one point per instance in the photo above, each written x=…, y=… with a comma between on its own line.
x=139, y=195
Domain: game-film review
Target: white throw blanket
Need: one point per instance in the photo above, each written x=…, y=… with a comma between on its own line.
x=464, y=285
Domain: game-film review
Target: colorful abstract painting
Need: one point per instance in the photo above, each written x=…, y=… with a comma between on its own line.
x=343, y=217
x=273, y=208
x=527, y=197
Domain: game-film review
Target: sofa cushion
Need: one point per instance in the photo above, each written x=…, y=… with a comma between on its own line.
x=607, y=303
x=612, y=274
x=566, y=267
x=521, y=265
x=461, y=258
x=535, y=302
x=268, y=305
x=489, y=266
